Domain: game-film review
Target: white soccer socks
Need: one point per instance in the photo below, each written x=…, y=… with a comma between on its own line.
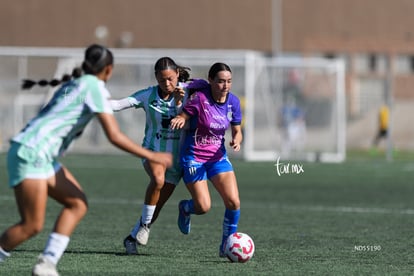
x=3, y=254
x=146, y=217
x=55, y=247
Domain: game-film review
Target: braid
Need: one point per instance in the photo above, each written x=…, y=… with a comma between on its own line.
x=96, y=59
x=28, y=84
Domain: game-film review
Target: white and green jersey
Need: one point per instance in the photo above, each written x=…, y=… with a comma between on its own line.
x=158, y=134
x=65, y=116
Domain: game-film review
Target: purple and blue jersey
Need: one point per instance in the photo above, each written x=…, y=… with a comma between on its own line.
x=204, y=141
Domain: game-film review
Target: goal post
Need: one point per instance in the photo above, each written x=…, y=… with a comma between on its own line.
x=295, y=109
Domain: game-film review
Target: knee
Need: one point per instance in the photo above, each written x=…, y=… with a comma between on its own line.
x=79, y=206
x=202, y=207
x=232, y=204
x=32, y=229
x=158, y=181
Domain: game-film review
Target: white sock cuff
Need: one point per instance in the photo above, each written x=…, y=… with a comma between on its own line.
x=55, y=247
x=150, y=207
x=147, y=213
x=62, y=238
x=3, y=254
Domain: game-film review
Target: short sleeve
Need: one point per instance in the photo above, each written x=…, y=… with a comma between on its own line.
x=97, y=99
x=236, y=111
x=192, y=105
x=139, y=98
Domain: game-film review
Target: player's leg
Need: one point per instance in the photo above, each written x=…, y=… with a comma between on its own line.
x=31, y=199
x=224, y=180
x=130, y=241
x=166, y=192
x=195, y=178
x=140, y=231
x=199, y=204
x=64, y=188
x=28, y=179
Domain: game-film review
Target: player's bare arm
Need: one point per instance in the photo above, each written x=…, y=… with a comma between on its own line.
x=179, y=121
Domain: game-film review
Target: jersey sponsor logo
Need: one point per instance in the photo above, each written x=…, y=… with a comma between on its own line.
x=218, y=117
x=217, y=125
x=211, y=139
x=162, y=107
x=155, y=107
x=168, y=134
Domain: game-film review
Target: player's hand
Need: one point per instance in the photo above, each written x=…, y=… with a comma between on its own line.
x=235, y=145
x=177, y=122
x=178, y=94
x=164, y=158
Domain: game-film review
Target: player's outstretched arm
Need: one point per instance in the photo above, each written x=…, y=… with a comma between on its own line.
x=118, y=105
x=120, y=140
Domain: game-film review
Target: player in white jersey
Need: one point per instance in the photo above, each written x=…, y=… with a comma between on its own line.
x=34, y=172
x=161, y=103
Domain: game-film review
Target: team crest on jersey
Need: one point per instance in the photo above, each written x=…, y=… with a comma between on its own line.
x=229, y=113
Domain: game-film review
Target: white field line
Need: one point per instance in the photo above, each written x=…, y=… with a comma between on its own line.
x=256, y=205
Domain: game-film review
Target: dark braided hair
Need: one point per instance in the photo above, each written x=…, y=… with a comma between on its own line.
x=96, y=58
x=166, y=63
x=28, y=84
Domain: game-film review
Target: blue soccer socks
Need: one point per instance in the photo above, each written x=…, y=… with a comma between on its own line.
x=231, y=219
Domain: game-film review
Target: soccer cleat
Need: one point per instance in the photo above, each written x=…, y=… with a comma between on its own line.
x=44, y=267
x=221, y=251
x=130, y=245
x=184, y=219
x=143, y=234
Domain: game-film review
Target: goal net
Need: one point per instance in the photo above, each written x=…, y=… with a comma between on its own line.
x=293, y=108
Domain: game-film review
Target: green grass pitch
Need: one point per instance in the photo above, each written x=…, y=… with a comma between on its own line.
x=354, y=218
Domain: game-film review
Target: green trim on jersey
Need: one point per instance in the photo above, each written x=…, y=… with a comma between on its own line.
x=64, y=117
x=159, y=136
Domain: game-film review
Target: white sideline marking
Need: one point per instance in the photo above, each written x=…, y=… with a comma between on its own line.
x=346, y=209
x=255, y=205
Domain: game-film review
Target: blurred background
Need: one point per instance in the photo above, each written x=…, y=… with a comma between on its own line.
x=314, y=76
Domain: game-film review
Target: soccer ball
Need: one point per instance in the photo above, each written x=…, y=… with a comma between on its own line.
x=239, y=247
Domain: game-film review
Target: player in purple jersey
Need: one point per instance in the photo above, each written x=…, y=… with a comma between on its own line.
x=210, y=112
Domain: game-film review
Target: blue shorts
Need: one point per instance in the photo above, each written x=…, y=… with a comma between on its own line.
x=196, y=171
x=21, y=165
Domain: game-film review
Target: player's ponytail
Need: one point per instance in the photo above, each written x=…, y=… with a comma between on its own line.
x=96, y=59
x=166, y=63
x=28, y=84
